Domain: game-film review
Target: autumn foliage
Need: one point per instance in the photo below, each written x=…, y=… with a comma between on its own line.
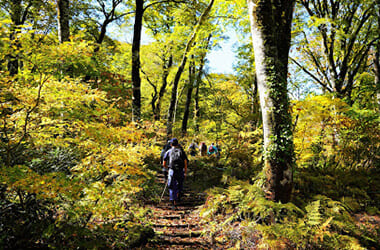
x=76, y=172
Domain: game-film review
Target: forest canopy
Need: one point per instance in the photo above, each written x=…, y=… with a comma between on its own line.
x=84, y=114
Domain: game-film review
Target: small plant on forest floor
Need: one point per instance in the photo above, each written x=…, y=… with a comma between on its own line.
x=322, y=223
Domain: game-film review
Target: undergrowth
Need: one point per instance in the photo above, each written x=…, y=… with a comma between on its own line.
x=322, y=223
x=323, y=212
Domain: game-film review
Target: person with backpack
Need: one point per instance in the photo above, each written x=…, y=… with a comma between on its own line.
x=176, y=161
x=203, y=149
x=212, y=150
x=193, y=148
x=218, y=150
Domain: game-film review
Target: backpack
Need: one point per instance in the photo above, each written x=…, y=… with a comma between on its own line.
x=211, y=149
x=204, y=147
x=165, y=149
x=176, y=159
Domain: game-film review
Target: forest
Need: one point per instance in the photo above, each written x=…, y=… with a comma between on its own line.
x=92, y=90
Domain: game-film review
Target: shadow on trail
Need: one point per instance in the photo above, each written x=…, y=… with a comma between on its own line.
x=204, y=173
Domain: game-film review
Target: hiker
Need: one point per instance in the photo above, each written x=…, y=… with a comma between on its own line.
x=193, y=148
x=212, y=150
x=218, y=148
x=176, y=160
x=203, y=149
x=166, y=147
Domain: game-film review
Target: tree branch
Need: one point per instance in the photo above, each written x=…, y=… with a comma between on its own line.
x=26, y=12
x=310, y=74
x=164, y=1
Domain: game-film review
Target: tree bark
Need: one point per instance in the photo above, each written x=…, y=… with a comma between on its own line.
x=377, y=55
x=181, y=67
x=377, y=71
x=198, y=82
x=102, y=33
x=271, y=35
x=197, y=112
x=109, y=17
x=167, y=64
x=18, y=17
x=63, y=20
x=154, y=94
x=190, y=88
x=136, y=79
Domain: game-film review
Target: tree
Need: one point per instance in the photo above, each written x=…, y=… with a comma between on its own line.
x=18, y=11
x=177, y=77
x=197, y=112
x=109, y=16
x=63, y=20
x=337, y=45
x=228, y=106
x=247, y=79
x=160, y=22
x=156, y=73
x=271, y=34
x=136, y=79
x=377, y=52
x=137, y=29
x=195, y=76
x=190, y=87
x=21, y=13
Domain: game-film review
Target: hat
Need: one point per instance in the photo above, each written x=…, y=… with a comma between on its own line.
x=174, y=141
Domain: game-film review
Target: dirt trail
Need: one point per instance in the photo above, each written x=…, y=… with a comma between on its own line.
x=180, y=228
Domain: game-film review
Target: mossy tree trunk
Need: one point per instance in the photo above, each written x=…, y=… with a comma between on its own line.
x=271, y=35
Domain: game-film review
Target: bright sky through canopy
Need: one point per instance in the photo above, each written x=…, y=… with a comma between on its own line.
x=220, y=60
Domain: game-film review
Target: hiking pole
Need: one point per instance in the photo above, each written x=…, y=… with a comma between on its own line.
x=164, y=190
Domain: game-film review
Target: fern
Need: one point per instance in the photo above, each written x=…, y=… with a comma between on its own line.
x=314, y=217
x=323, y=223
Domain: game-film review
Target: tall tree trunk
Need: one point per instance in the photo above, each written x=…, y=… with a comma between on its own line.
x=63, y=20
x=102, y=34
x=198, y=82
x=153, y=103
x=255, y=106
x=377, y=72
x=377, y=55
x=103, y=31
x=154, y=94
x=18, y=18
x=136, y=80
x=167, y=64
x=271, y=34
x=196, y=107
x=190, y=88
x=181, y=67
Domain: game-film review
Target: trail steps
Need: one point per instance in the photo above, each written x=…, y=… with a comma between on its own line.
x=180, y=228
